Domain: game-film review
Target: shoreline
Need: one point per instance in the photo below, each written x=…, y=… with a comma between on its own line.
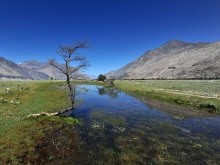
x=160, y=93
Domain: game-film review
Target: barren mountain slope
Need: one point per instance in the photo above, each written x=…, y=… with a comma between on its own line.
x=44, y=67
x=174, y=60
x=9, y=69
x=51, y=71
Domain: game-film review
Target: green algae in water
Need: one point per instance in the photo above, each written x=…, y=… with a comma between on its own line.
x=121, y=129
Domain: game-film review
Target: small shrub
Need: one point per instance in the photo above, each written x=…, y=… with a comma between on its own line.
x=209, y=106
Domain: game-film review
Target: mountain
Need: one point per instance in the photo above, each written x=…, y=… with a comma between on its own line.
x=51, y=71
x=174, y=60
x=43, y=67
x=10, y=70
x=32, y=69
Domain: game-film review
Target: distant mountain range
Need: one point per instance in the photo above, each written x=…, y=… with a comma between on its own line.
x=11, y=70
x=43, y=67
x=32, y=69
x=174, y=60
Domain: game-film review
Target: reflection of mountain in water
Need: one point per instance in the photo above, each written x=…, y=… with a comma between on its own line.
x=108, y=91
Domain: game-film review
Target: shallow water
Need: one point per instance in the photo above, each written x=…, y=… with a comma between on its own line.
x=117, y=128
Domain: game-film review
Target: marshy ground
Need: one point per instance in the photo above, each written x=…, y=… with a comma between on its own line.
x=117, y=128
x=114, y=127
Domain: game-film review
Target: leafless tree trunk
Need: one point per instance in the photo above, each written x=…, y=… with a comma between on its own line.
x=70, y=54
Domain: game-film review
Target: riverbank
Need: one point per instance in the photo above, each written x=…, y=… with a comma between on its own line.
x=22, y=138
x=202, y=94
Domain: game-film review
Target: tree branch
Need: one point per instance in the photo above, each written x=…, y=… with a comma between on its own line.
x=57, y=66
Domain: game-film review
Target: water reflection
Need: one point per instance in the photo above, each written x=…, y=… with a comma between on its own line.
x=121, y=129
x=108, y=91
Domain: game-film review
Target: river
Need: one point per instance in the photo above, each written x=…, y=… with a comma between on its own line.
x=117, y=128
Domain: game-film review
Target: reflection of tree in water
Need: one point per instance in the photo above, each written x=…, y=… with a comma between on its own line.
x=108, y=91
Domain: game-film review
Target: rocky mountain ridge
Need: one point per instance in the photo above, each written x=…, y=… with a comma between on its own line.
x=10, y=70
x=43, y=67
x=33, y=70
x=174, y=60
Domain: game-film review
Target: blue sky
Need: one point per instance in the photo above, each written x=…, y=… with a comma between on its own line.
x=119, y=31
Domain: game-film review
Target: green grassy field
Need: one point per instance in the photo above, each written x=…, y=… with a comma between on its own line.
x=20, y=135
x=203, y=94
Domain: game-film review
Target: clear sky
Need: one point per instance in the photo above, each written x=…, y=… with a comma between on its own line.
x=119, y=31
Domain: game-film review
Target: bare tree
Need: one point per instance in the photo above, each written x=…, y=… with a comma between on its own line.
x=70, y=55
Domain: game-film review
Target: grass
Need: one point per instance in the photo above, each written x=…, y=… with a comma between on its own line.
x=20, y=135
x=203, y=94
